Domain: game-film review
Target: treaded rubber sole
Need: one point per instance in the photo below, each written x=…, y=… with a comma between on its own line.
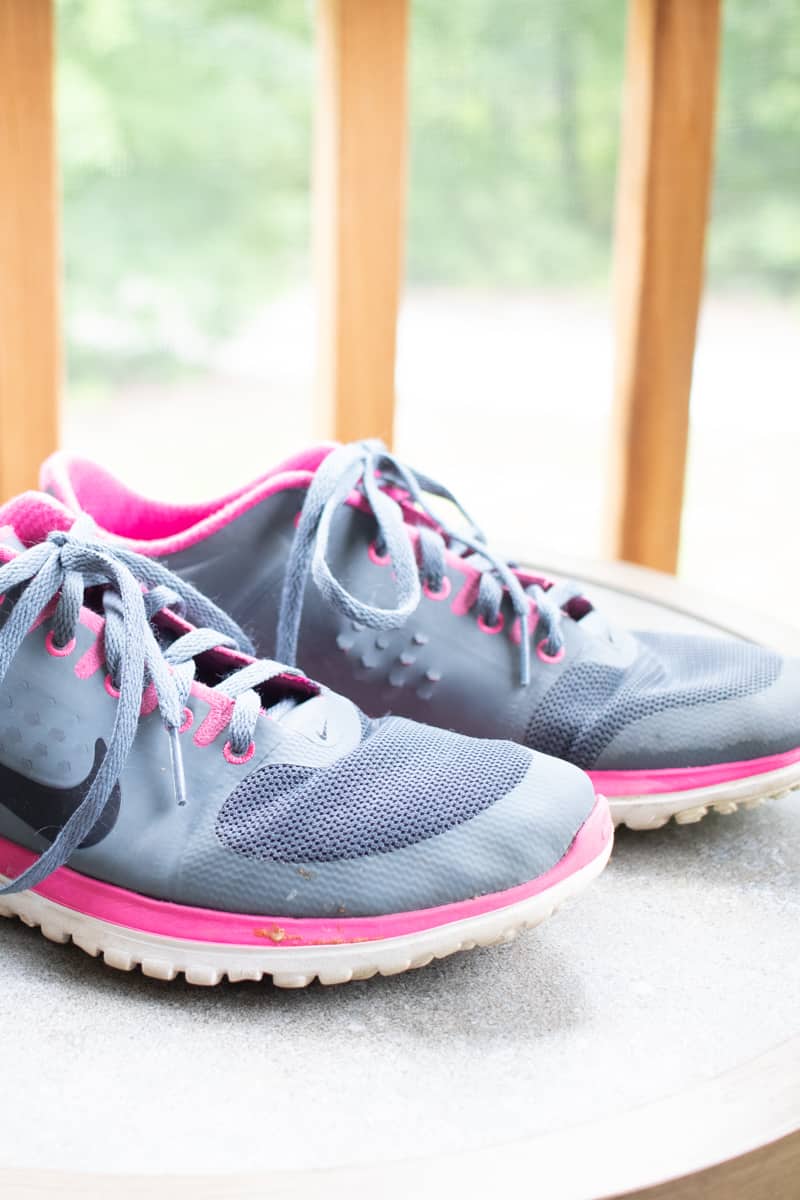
x=207, y=963
x=689, y=807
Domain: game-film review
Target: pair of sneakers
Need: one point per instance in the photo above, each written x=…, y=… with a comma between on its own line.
x=171, y=801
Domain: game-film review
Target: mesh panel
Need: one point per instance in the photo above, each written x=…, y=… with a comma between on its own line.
x=404, y=783
x=591, y=702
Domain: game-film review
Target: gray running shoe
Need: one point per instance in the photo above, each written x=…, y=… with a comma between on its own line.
x=337, y=559
x=171, y=802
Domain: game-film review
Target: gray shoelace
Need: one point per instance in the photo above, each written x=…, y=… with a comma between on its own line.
x=66, y=565
x=369, y=464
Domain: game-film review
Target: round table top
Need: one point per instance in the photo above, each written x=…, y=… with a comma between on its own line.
x=650, y=1029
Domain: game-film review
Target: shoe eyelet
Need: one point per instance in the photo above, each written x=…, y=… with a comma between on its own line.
x=496, y=628
x=444, y=590
x=549, y=658
x=59, y=651
x=108, y=684
x=188, y=720
x=380, y=560
x=238, y=759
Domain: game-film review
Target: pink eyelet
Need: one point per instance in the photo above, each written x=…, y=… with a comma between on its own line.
x=549, y=658
x=59, y=651
x=109, y=686
x=496, y=628
x=442, y=594
x=380, y=560
x=188, y=720
x=238, y=759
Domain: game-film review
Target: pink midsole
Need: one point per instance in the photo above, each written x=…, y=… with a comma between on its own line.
x=106, y=902
x=683, y=779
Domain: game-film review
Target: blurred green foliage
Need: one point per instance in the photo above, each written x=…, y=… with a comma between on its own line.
x=514, y=119
x=185, y=145
x=184, y=157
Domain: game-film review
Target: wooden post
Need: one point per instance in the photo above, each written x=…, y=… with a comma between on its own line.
x=662, y=210
x=30, y=362
x=360, y=172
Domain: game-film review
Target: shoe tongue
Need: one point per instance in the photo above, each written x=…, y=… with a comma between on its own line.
x=28, y=519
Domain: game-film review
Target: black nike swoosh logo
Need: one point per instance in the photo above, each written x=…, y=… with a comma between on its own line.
x=47, y=809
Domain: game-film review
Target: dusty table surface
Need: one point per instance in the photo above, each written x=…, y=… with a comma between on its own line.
x=680, y=964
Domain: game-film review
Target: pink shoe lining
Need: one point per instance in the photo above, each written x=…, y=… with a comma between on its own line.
x=680, y=779
x=156, y=527
x=106, y=902
x=32, y=516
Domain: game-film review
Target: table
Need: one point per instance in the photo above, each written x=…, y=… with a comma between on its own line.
x=649, y=1032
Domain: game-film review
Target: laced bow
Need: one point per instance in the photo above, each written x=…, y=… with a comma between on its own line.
x=66, y=565
x=369, y=464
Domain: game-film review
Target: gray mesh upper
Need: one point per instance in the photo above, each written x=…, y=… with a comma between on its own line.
x=665, y=701
x=592, y=702
x=402, y=784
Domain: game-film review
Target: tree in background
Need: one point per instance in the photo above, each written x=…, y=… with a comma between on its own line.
x=184, y=138
x=185, y=148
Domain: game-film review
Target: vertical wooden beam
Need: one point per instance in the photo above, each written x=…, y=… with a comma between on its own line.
x=30, y=364
x=360, y=173
x=662, y=211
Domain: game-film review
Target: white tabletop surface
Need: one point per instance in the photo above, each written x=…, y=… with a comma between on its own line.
x=679, y=964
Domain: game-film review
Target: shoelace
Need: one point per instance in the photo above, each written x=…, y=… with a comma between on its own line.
x=370, y=465
x=69, y=563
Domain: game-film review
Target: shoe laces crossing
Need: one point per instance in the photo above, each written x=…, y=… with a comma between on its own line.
x=369, y=466
x=66, y=565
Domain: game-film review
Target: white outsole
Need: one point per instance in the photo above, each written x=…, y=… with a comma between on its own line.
x=207, y=963
x=689, y=807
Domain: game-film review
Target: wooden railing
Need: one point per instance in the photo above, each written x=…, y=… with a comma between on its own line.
x=360, y=161
x=662, y=209
x=30, y=339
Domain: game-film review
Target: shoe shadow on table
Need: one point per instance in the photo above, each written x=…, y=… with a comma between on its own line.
x=680, y=962
x=543, y=980
x=530, y=980
x=757, y=850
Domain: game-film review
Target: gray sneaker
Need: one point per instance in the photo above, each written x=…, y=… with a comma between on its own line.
x=337, y=559
x=171, y=802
